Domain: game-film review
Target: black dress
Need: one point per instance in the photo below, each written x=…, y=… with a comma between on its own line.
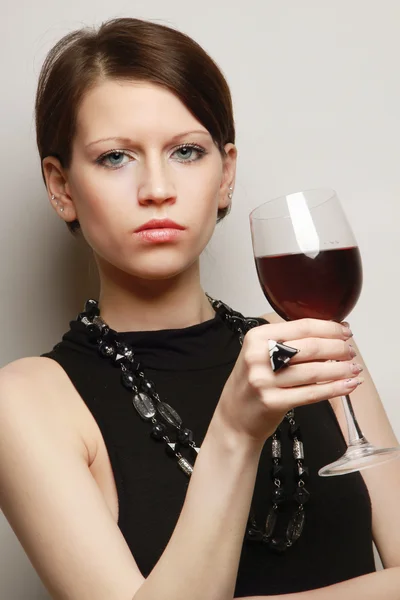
x=190, y=367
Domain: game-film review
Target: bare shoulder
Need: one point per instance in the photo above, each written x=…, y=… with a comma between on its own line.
x=39, y=387
x=37, y=367
x=47, y=491
x=36, y=373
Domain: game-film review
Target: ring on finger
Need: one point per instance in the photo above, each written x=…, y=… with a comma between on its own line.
x=280, y=354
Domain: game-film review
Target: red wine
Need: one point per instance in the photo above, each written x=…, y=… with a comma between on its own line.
x=325, y=287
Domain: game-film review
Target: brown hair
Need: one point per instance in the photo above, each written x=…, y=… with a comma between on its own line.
x=131, y=49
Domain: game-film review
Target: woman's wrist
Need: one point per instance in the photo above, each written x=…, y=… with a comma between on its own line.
x=232, y=439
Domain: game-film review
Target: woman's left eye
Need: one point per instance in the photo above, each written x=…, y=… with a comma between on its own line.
x=112, y=160
x=189, y=153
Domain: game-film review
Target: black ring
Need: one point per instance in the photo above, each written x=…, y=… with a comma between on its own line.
x=280, y=355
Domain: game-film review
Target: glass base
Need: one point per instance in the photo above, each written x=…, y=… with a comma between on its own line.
x=359, y=457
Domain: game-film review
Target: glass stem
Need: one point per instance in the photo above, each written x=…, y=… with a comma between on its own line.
x=356, y=437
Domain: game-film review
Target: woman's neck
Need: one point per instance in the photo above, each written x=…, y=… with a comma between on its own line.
x=149, y=305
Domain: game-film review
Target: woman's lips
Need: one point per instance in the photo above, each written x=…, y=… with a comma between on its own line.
x=163, y=234
x=159, y=224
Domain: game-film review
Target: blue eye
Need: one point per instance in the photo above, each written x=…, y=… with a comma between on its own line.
x=113, y=158
x=186, y=152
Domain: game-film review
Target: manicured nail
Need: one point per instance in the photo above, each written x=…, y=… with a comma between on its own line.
x=353, y=353
x=356, y=368
x=346, y=330
x=350, y=384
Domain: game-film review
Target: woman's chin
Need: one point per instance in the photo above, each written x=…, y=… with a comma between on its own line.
x=161, y=270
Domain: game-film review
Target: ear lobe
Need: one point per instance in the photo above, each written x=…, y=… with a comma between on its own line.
x=224, y=201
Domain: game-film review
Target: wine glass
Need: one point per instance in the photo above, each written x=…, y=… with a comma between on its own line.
x=309, y=265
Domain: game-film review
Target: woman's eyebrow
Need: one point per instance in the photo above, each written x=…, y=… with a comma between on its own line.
x=128, y=141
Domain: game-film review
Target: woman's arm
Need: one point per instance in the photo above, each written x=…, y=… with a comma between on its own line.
x=383, y=482
x=382, y=585
x=58, y=513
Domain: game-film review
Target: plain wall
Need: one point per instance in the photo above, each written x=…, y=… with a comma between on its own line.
x=316, y=93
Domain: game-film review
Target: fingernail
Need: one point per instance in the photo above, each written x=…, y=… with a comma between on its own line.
x=349, y=384
x=353, y=353
x=347, y=332
x=356, y=368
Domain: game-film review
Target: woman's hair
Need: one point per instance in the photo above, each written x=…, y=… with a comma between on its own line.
x=129, y=49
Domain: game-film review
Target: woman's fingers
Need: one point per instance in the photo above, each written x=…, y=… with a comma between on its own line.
x=316, y=372
x=322, y=369
x=314, y=349
x=304, y=328
x=286, y=399
x=315, y=339
x=256, y=352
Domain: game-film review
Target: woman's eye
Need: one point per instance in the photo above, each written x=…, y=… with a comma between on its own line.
x=189, y=153
x=113, y=159
x=185, y=154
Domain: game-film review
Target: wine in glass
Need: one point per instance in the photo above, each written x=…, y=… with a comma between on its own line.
x=309, y=265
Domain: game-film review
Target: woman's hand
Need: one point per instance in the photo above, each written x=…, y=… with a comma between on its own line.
x=255, y=398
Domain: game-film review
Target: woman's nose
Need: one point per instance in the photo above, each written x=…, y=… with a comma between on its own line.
x=156, y=186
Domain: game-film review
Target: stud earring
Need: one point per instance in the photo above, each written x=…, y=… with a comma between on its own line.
x=53, y=198
x=230, y=195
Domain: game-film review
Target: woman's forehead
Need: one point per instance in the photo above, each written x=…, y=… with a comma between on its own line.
x=119, y=108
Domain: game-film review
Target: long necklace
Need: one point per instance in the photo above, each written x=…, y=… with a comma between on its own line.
x=167, y=426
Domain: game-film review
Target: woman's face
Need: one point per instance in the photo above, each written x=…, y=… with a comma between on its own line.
x=138, y=155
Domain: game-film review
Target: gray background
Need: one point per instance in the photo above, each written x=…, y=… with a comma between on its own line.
x=317, y=96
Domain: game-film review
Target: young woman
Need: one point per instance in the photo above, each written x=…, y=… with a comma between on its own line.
x=99, y=436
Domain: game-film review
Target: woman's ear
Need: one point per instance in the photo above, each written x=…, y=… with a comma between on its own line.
x=228, y=176
x=58, y=188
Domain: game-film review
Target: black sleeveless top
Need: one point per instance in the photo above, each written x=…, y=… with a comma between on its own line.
x=189, y=368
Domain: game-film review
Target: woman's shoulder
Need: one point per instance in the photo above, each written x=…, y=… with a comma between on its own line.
x=40, y=386
x=41, y=373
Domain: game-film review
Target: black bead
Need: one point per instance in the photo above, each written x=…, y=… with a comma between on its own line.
x=158, y=431
x=90, y=304
x=277, y=545
x=104, y=331
x=302, y=495
x=185, y=436
x=111, y=337
x=128, y=380
x=172, y=449
x=147, y=386
x=91, y=309
x=119, y=360
x=278, y=496
x=128, y=361
x=278, y=472
x=107, y=350
x=294, y=432
x=223, y=310
x=301, y=473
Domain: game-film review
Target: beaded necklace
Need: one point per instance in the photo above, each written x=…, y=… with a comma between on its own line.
x=167, y=426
